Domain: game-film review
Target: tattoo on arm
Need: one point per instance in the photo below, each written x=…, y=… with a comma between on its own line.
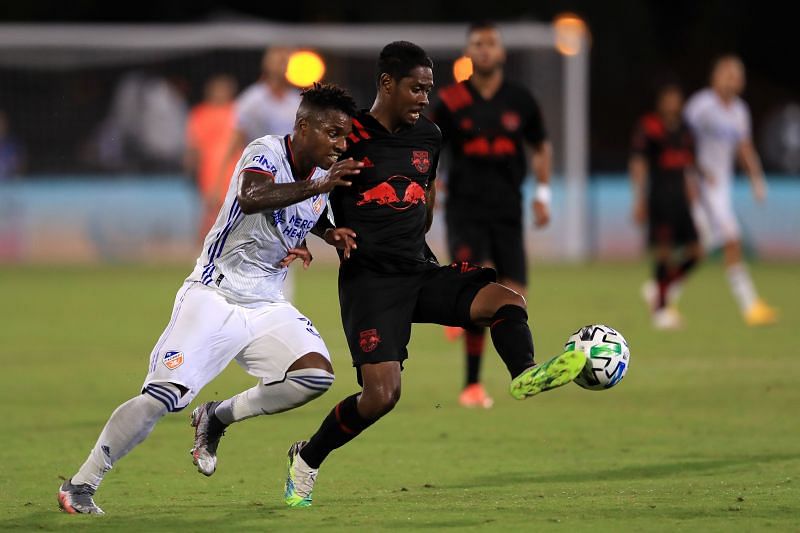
x=258, y=191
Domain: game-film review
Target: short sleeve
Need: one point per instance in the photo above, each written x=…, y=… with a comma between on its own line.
x=259, y=157
x=693, y=110
x=534, y=130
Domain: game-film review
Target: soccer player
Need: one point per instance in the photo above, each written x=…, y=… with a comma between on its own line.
x=720, y=121
x=661, y=167
x=231, y=306
x=487, y=121
x=392, y=279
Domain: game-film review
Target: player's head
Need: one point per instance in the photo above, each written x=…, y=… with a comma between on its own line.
x=485, y=48
x=728, y=76
x=220, y=89
x=322, y=124
x=669, y=100
x=405, y=78
x=274, y=63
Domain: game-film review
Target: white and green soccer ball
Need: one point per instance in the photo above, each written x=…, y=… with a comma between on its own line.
x=607, y=356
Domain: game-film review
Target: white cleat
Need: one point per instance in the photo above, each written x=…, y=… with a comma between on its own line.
x=667, y=319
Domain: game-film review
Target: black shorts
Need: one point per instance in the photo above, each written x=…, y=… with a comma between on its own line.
x=378, y=309
x=483, y=239
x=670, y=223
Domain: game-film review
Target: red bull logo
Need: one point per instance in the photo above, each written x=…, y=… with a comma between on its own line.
x=421, y=160
x=386, y=193
x=369, y=340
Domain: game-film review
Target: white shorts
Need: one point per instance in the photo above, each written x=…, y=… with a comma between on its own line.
x=714, y=215
x=207, y=331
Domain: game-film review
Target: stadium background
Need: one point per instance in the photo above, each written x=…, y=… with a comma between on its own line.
x=700, y=436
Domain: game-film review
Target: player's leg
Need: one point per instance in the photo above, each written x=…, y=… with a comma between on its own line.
x=293, y=366
x=190, y=352
x=469, y=242
x=377, y=331
x=754, y=310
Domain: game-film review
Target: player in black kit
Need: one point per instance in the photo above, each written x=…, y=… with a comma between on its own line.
x=661, y=168
x=487, y=122
x=391, y=279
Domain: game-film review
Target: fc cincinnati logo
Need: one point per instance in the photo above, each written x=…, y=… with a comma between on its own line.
x=369, y=340
x=173, y=360
x=421, y=160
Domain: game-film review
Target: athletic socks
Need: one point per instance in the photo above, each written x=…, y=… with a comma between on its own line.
x=474, y=338
x=512, y=338
x=742, y=286
x=342, y=425
x=128, y=426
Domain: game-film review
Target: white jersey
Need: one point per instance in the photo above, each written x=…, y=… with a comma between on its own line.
x=259, y=112
x=719, y=128
x=242, y=253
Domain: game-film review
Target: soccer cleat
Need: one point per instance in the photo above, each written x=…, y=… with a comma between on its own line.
x=760, y=314
x=667, y=318
x=77, y=499
x=206, y=438
x=300, y=478
x=475, y=395
x=556, y=372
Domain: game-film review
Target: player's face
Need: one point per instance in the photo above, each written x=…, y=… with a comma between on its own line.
x=728, y=78
x=670, y=103
x=485, y=49
x=409, y=95
x=324, y=136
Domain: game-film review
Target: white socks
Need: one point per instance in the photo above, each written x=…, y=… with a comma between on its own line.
x=299, y=387
x=128, y=425
x=742, y=286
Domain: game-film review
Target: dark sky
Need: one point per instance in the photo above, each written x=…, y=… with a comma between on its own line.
x=635, y=43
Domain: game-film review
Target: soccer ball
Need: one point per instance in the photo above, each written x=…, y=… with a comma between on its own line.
x=607, y=356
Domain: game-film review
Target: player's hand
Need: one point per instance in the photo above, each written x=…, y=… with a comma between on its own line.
x=337, y=174
x=301, y=253
x=342, y=239
x=639, y=212
x=541, y=213
x=760, y=189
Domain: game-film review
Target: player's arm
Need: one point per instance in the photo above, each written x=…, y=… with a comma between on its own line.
x=638, y=170
x=257, y=191
x=748, y=157
x=542, y=164
x=430, y=204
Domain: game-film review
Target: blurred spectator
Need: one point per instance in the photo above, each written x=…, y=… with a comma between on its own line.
x=208, y=137
x=780, y=139
x=12, y=156
x=145, y=128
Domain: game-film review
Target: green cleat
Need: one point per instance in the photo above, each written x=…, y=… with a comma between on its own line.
x=556, y=372
x=300, y=479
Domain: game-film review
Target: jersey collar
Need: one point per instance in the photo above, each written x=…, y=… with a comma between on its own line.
x=287, y=140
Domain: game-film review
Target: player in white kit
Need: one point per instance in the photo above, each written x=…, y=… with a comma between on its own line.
x=231, y=307
x=720, y=121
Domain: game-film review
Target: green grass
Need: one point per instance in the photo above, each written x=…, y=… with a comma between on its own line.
x=702, y=435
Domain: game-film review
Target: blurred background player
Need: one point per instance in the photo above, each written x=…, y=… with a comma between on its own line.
x=720, y=121
x=12, y=155
x=208, y=136
x=486, y=122
x=661, y=169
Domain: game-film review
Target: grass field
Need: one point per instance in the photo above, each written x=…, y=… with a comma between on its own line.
x=702, y=435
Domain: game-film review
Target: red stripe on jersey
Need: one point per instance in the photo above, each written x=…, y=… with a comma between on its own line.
x=353, y=138
x=675, y=159
x=456, y=97
x=360, y=128
x=259, y=171
x=653, y=126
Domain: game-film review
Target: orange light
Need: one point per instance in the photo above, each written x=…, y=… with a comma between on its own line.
x=462, y=68
x=304, y=68
x=570, y=33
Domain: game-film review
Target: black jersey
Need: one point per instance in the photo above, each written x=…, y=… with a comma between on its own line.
x=487, y=138
x=669, y=154
x=386, y=204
